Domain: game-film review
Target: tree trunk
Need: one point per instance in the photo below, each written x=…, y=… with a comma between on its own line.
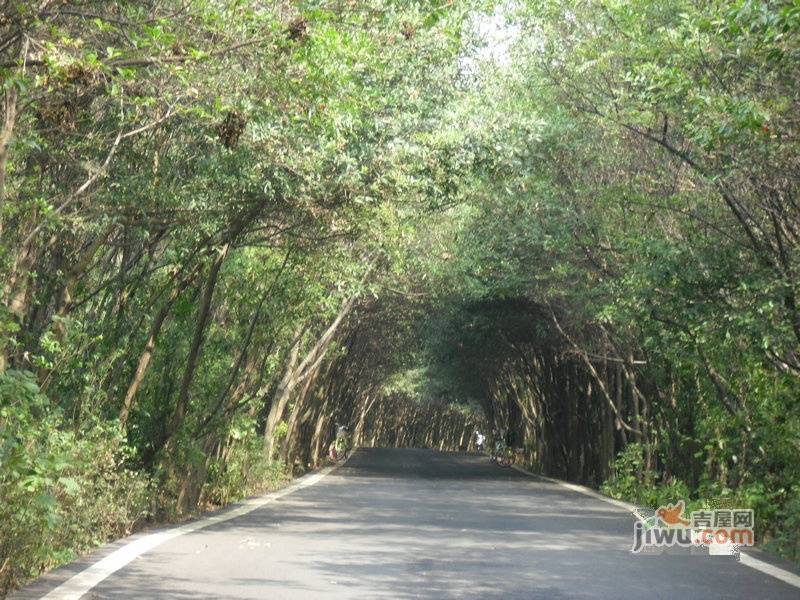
x=194, y=352
x=149, y=348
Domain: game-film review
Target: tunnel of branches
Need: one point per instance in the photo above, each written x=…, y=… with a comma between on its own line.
x=502, y=365
x=227, y=227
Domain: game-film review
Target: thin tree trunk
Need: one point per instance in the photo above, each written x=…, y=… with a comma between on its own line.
x=197, y=342
x=281, y=397
x=149, y=348
x=307, y=367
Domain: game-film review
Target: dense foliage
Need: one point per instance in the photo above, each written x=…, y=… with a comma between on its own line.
x=627, y=265
x=225, y=228
x=196, y=199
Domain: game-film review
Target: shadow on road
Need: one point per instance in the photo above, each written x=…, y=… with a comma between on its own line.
x=421, y=524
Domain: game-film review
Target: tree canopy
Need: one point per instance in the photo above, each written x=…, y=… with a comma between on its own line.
x=226, y=227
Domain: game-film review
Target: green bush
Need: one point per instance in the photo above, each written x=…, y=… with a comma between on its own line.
x=243, y=469
x=624, y=484
x=777, y=511
x=632, y=482
x=786, y=541
x=61, y=491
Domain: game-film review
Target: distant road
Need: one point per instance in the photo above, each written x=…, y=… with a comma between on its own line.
x=423, y=524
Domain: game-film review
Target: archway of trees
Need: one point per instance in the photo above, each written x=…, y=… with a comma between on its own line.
x=226, y=227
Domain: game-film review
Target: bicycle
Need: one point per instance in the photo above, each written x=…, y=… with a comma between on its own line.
x=506, y=458
x=339, y=448
x=503, y=455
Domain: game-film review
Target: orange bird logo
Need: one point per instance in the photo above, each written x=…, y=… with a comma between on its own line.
x=672, y=514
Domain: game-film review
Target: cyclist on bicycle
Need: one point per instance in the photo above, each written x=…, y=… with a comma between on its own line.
x=500, y=438
x=502, y=451
x=340, y=446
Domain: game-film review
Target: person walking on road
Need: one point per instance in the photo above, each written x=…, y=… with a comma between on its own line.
x=479, y=440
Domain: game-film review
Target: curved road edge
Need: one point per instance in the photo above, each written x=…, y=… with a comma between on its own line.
x=745, y=558
x=95, y=571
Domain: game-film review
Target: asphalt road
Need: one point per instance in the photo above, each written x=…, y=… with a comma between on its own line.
x=423, y=524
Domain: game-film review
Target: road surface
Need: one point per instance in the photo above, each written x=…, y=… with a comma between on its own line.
x=423, y=524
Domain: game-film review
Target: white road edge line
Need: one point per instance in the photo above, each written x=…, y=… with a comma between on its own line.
x=79, y=584
x=745, y=559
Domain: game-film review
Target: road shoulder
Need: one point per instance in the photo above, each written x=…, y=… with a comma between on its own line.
x=73, y=580
x=753, y=558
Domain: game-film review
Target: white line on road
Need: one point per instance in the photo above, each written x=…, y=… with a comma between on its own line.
x=745, y=559
x=79, y=584
x=764, y=567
